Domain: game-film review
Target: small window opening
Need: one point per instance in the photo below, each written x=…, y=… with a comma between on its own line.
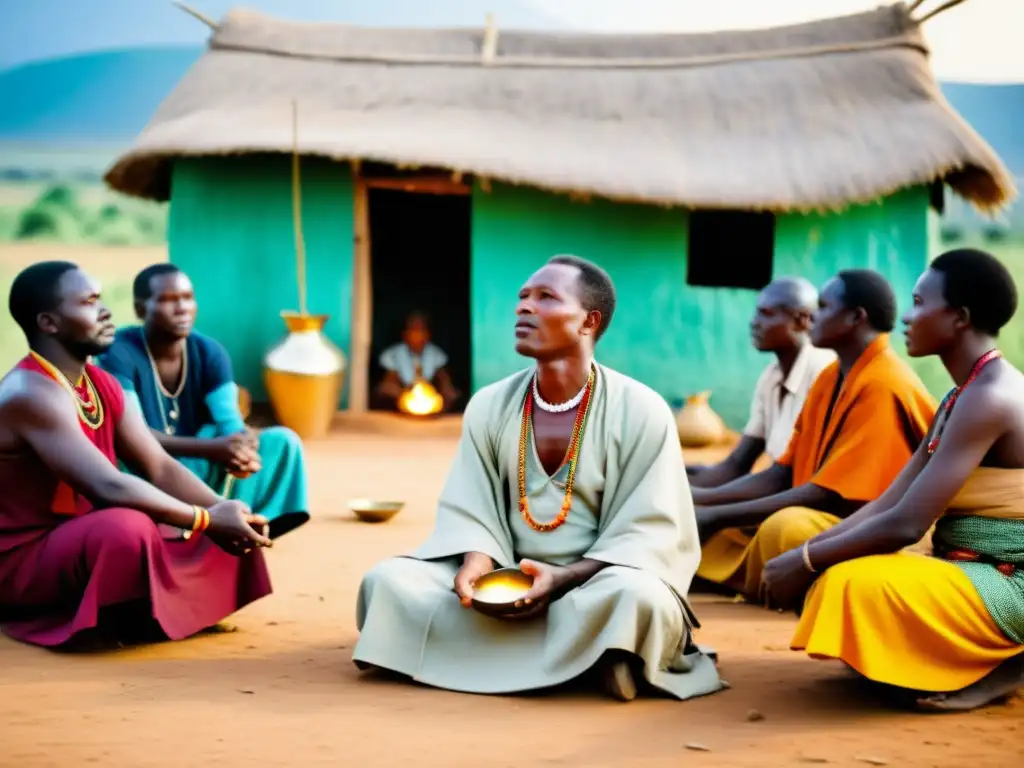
x=731, y=249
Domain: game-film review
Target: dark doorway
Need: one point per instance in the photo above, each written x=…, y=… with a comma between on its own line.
x=420, y=255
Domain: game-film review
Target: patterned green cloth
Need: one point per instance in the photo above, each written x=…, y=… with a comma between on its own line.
x=1002, y=540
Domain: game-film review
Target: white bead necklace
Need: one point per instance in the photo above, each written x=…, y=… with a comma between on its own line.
x=568, y=405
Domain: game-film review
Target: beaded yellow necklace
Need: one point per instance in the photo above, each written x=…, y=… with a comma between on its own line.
x=571, y=458
x=89, y=404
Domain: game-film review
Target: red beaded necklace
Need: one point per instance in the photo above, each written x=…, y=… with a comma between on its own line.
x=572, y=456
x=950, y=401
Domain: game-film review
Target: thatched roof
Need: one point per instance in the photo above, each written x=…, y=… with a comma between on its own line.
x=816, y=115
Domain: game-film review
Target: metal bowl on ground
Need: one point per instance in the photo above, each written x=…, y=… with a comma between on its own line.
x=495, y=593
x=370, y=511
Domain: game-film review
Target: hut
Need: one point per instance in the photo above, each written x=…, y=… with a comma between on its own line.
x=440, y=167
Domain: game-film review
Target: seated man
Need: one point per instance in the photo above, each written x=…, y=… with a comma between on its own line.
x=80, y=548
x=863, y=418
x=571, y=471
x=414, y=357
x=182, y=383
x=946, y=631
x=781, y=326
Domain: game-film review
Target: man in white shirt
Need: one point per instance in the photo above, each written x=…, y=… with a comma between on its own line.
x=414, y=357
x=781, y=325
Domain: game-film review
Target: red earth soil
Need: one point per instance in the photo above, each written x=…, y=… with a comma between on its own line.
x=283, y=691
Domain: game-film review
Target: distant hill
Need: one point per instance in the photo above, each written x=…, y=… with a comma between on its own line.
x=94, y=98
x=997, y=113
x=33, y=30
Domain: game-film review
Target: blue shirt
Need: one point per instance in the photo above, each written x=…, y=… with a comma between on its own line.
x=208, y=395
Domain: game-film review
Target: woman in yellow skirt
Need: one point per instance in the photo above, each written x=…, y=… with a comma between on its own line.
x=947, y=627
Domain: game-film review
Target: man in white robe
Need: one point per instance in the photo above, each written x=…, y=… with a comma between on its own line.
x=572, y=472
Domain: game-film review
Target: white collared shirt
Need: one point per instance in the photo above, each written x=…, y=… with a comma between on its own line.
x=401, y=360
x=777, y=401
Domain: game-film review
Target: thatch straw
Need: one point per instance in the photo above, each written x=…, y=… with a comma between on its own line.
x=810, y=116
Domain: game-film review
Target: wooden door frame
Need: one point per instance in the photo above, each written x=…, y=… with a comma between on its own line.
x=361, y=334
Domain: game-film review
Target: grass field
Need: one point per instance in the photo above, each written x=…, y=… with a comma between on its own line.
x=70, y=211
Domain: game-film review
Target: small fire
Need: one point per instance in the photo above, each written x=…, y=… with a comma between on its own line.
x=421, y=399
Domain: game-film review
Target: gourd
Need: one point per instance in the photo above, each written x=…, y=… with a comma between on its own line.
x=698, y=424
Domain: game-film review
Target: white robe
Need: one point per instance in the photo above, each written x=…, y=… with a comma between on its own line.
x=631, y=509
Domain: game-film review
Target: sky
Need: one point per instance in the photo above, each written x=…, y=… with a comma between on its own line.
x=977, y=41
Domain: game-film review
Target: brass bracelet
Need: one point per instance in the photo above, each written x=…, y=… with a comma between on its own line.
x=187, y=534
x=805, y=552
x=202, y=521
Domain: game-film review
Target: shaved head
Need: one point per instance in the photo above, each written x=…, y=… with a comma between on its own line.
x=795, y=293
x=783, y=317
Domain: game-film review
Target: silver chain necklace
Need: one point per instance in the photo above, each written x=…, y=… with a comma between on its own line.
x=161, y=391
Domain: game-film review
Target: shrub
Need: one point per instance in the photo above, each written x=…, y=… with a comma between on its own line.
x=47, y=222
x=60, y=196
x=109, y=212
x=951, y=233
x=995, y=233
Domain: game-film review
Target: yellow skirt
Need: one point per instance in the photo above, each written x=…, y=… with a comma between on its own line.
x=737, y=560
x=906, y=620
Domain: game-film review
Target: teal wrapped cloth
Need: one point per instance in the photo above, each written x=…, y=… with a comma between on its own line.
x=279, y=491
x=987, y=519
x=997, y=540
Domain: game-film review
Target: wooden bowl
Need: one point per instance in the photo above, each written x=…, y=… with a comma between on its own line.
x=495, y=593
x=370, y=511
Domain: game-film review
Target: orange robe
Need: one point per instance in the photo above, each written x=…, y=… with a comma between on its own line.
x=855, y=447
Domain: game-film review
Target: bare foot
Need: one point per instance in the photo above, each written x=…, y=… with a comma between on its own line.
x=617, y=678
x=1003, y=681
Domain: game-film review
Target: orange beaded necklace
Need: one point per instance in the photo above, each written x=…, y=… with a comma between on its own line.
x=90, y=406
x=571, y=457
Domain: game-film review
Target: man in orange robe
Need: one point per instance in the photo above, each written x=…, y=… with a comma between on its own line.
x=862, y=421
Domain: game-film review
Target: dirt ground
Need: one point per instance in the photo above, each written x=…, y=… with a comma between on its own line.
x=283, y=691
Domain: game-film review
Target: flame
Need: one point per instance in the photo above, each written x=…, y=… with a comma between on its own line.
x=421, y=399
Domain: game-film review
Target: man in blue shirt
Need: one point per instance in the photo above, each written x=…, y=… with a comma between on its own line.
x=182, y=383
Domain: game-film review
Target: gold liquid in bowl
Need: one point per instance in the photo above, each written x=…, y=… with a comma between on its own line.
x=495, y=593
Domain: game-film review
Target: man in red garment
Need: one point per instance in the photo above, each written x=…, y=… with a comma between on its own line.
x=81, y=551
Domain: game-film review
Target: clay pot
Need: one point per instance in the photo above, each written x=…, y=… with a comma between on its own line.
x=699, y=426
x=304, y=374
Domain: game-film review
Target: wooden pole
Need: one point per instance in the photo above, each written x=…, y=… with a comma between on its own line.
x=489, y=49
x=362, y=299
x=197, y=15
x=944, y=7
x=300, y=243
